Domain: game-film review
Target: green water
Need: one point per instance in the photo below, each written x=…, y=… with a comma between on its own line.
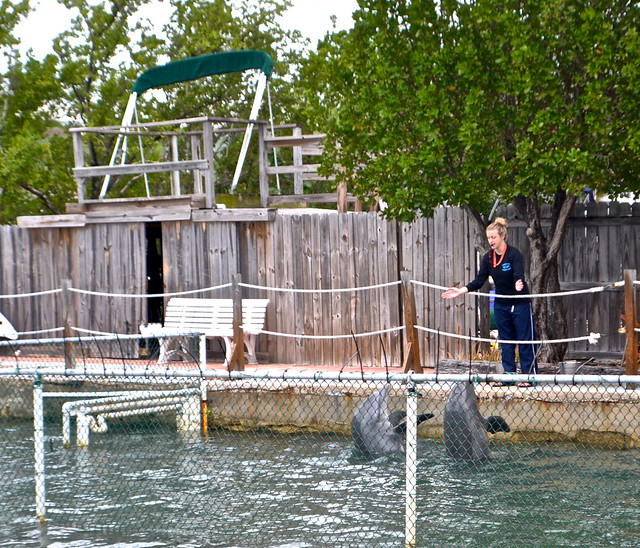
x=144, y=487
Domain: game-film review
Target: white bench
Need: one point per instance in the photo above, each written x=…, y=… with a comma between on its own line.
x=211, y=318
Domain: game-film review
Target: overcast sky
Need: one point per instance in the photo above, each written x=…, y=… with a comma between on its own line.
x=311, y=17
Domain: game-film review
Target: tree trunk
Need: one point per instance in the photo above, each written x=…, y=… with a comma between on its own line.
x=549, y=313
x=481, y=222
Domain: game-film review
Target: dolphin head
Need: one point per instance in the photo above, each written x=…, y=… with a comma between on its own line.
x=465, y=430
x=371, y=428
x=497, y=424
x=375, y=431
x=6, y=329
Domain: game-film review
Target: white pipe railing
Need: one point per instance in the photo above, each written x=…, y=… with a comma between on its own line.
x=99, y=422
x=185, y=401
x=317, y=375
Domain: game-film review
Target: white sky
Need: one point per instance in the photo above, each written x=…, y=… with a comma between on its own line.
x=311, y=17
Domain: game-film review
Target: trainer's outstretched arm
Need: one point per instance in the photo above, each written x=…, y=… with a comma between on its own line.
x=453, y=292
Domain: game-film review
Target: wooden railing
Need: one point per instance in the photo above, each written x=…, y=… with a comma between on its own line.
x=303, y=147
x=197, y=137
x=198, y=133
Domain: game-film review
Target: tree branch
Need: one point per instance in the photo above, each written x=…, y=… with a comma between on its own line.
x=480, y=224
x=42, y=197
x=557, y=236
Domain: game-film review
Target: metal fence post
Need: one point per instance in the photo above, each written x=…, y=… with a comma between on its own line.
x=38, y=442
x=411, y=464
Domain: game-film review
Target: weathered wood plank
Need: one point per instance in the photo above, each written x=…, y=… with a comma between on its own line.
x=134, y=169
x=235, y=215
x=285, y=170
x=293, y=140
x=309, y=249
x=43, y=221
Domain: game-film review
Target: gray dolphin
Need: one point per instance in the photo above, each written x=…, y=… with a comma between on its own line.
x=465, y=430
x=375, y=431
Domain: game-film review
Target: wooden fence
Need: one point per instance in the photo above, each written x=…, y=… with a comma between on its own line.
x=602, y=240
x=311, y=250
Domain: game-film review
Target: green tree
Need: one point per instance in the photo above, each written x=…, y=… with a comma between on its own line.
x=87, y=79
x=11, y=14
x=468, y=102
x=239, y=25
x=34, y=179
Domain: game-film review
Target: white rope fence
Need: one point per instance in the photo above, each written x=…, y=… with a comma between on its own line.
x=593, y=338
x=92, y=332
x=332, y=290
x=350, y=336
x=595, y=289
x=38, y=331
x=34, y=294
x=146, y=295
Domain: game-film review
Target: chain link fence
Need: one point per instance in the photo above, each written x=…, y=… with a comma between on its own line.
x=101, y=445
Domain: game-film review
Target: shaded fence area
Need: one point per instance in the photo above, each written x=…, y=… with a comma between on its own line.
x=186, y=456
x=602, y=240
x=313, y=266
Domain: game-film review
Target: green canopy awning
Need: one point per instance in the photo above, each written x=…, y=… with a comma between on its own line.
x=203, y=65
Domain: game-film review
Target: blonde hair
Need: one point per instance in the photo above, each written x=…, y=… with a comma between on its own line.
x=500, y=226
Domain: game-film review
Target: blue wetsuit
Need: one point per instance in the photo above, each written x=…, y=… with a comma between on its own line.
x=514, y=317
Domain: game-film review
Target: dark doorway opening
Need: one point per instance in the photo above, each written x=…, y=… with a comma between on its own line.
x=155, y=279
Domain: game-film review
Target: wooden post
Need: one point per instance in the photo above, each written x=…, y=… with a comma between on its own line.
x=175, y=175
x=412, y=354
x=631, y=319
x=298, y=181
x=343, y=204
x=207, y=152
x=236, y=362
x=262, y=163
x=78, y=156
x=67, y=303
x=197, y=174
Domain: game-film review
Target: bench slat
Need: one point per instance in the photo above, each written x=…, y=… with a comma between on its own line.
x=214, y=318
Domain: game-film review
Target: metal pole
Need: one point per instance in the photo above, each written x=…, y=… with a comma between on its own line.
x=126, y=121
x=202, y=350
x=38, y=442
x=66, y=430
x=83, y=425
x=204, y=408
x=255, y=109
x=411, y=465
